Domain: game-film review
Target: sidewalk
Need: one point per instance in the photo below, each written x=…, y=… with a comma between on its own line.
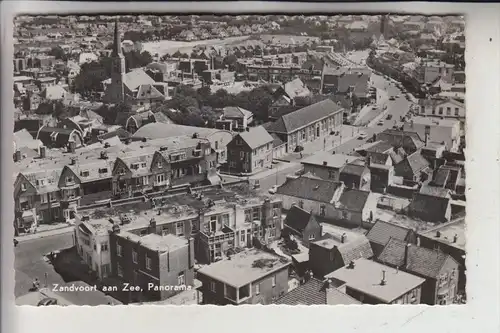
x=46, y=231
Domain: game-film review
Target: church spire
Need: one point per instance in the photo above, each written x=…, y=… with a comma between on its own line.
x=117, y=44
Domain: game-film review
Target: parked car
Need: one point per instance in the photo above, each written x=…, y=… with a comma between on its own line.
x=389, y=117
x=362, y=135
x=273, y=189
x=380, y=122
x=392, y=98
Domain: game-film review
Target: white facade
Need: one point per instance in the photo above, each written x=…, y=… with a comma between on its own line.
x=446, y=109
x=92, y=243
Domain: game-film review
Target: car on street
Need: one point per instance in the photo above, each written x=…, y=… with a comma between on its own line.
x=273, y=189
x=374, y=107
x=362, y=135
x=380, y=122
x=392, y=98
x=389, y=117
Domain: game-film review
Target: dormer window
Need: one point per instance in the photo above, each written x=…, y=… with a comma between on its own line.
x=84, y=173
x=41, y=182
x=69, y=180
x=103, y=170
x=143, y=164
x=159, y=165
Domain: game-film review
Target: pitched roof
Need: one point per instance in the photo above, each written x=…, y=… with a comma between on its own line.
x=53, y=92
x=380, y=147
x=135, y=78
x=382, y=231
x=417, y=162
x=236, y=111
x=294, y=120
x=353, y=169
x=357, y=248
x=353, y=200
x=310, y=188
x=256, y=137
x=296, y=88
x=163, y=130
x=332, y=160
x=315, y=292
x=420, y=260
x=298, y=219
x=429, y=206
x=276, y=140
x=377, y=158
x=147, y=91
x=435, y=191
x=397, y=138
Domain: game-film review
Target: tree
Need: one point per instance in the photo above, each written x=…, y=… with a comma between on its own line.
x=136, y=59
x=230, y=61
x=59, y=53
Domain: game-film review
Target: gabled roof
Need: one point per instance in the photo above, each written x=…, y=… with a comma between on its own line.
x=353, y=169
x=377, y=158
x=310, y=188
x=417, y=162
x=353, y=200
x=315, y=292
x=420, y=260
x=256, y=137
x=296, y=88
x=294, y=120
x=429, y=206
x=276, y=140
x=236, y=111
x=357, y=248
x=298, y=219
x=382, y=231
x=148, y=91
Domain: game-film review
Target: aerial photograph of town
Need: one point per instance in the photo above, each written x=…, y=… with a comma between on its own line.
x=239, y=159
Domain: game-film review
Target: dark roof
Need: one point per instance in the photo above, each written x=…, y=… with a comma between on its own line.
x=428, y=206
x=121, y=133
x=353, y=169
x=435, y=191
x=62, y=138
x=382, y=231
x=309, y=188
x=417, y=162
x=294, y=120
x=377, y=158
x=276, y=140
x=420, y=260
x=353, y=200
x=397, y=156
x=357, y=248
x=298, y=219
x=315, y=292
x=380, y=147
x=359, y=82
x=399, y=138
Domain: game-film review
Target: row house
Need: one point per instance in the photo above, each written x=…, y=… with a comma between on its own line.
x=311, y=123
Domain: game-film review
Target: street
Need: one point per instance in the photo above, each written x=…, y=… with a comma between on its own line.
x=396, y=108
x=276, y=178
x=30, y=264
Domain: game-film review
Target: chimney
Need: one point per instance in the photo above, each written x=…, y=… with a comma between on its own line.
x=18, y=156
x=144, y=139
x=455, y=238
x=438, y=234
x=71, y=147
x=368, y=161
x=73, y=161
x=152, y=224
x=343, y=238
x=43, y=152
x=248, y=129
x=191, y=252
x=328, y=284
x=116, y=229
x=352, y=264
x=384, y=281
x=104, y=155
x=407, y=247
x=325, y=163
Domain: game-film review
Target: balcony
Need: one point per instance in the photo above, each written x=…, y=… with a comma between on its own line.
x=223, y=235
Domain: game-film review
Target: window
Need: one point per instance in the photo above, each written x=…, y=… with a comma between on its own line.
x=103, y=170
x=256, y=213
x=84, y=173
x=145, y=180
x=181, y=280
x=312, y=237
x=433, y=110
x=134, y=256
x=273, y=281
x=143, y=164
x=179, y=228
x=457, y=112
x=212, y=286
x=119, y=270
x=303, y=136
x=23, y=187
x=159, y=164
x=242, y=154
x=248, y=215
x=194, y=227
x=440, y=111
x=225, y=220
x=448, y=111
x=43, y=198
x=331, y=174
x=322, y=210
x=41, y=182
x=257, y=289
x=104, y=247
x=242, y=236
x=160, y=178
x=148, y=263
x=119, y=250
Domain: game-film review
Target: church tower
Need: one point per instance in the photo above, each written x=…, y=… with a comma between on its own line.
x=116, y=90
